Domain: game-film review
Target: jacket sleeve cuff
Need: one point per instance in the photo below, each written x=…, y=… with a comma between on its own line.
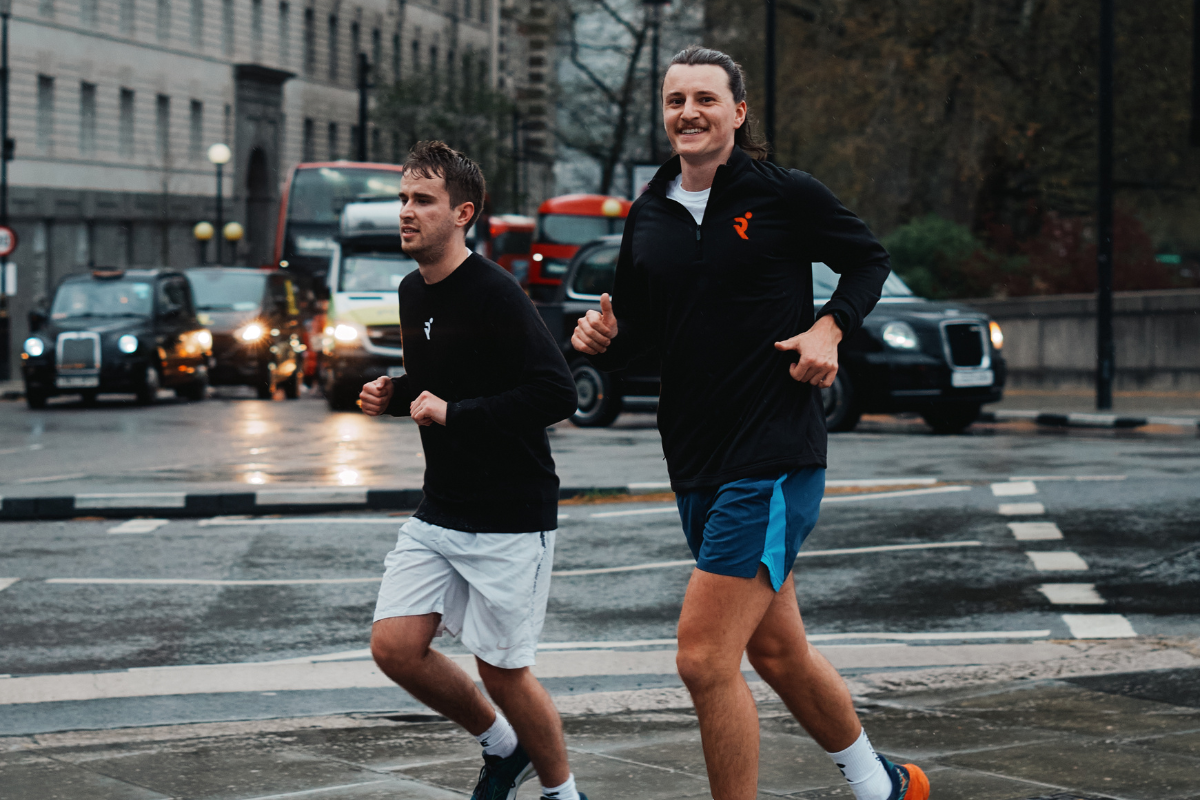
x=842, y=314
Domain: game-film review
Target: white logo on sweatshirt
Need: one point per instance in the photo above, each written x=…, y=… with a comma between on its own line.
x=428, y=325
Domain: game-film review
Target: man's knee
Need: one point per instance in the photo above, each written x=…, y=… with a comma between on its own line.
x=775, y=660
x=497, y=679
x=701, y=666
x=395, y=652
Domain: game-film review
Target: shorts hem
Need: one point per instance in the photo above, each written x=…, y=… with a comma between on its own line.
x=518, y=662
x=727, y=570
x=411, y=611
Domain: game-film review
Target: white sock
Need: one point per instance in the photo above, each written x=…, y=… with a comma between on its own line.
x=565, y=792
x=500, y=739
x=863, y=770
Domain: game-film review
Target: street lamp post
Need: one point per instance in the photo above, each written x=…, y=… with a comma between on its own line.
x=655, y=93
x=769, y=82
x=219, y=154
x=1105, y=349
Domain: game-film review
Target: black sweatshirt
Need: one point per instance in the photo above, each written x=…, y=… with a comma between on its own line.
x=714, y=298
x=475, y=340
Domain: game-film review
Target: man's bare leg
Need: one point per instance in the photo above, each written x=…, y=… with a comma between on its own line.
x=808, y=684
x=533, y=716
x=719, y=615
x=400, y=646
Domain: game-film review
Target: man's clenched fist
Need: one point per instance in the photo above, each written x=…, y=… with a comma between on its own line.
x=596, y=329
x=375, y=396
x=428, y=409
x=818, y=362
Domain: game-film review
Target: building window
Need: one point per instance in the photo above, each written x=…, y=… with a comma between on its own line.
x=162, y=20
x=333, y=48
x=310, y=42
x=196, y=132
x=162, y=127
x=227, y=42
x=355, y=40
x=483, y=10
x=395, y=56
x=125, y=125
x=333, y=141
x=377, y=50
x=353, y=147
x=256, y=29
x=227, y=129
x=308, y=148
x=197, y=24
x=376, y=146
x=467, y=8
x=416, y=55
x=126, y=14
x=433, y=65
x=87, y=119
x=285, y=34
x=87, y=13
x=45, y=114
x=46, y=8
x=395, y=147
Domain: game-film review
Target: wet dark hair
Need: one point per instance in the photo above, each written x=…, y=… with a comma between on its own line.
x=695, y=55
x=463, y=177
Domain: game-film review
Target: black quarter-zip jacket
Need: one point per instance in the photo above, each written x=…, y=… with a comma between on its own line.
x=714, y=298
x=475, y=340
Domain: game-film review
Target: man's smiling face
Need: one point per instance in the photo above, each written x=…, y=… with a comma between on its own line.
x=699, y=111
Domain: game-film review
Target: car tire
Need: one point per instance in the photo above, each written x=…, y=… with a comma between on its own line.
x=291, y=387
x=598, y=403
x=194, y=391
x=342, y=397
x=951, y=418
x=35, y=399
x=147, y=393
x=265, y=387
x=89, y=398
x=841, y=407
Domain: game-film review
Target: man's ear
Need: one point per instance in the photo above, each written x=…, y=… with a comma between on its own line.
x=463, y=214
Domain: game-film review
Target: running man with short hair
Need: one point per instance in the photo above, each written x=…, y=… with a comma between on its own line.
x=484, y=380
x=715, y=274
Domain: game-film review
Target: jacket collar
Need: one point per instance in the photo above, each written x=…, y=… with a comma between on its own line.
x=737, y=163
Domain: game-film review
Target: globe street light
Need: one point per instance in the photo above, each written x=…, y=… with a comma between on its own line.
x=203, y=233
x=233, y=233
x=219, y=154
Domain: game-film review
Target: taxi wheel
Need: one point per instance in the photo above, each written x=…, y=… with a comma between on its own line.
x=341, y=397
x=291, y=387
x=35, y=399
x=841, y=411
x=265, y=388
x=89, y=398
x=147, y=393
x=951, y=419
x=598, y=405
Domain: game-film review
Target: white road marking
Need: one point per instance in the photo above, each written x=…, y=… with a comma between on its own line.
x=325, y=789
x=1072, y=594
x=635, y=512
x=1057, y=561
x=1068, y=478
x=1100, y=477
x=1014, y=488
x=139, y=526
x=1022, y=509
x=564, y=516
x=7, y=582
x=843, y=551
x=867, y=482
x=242, y=521
x=1099, y=626
x=836, y=499
x=1035, y=531
x=132, y=500
x=52, y=478
x=204, y=582
x=649, y=486
x=311, y=496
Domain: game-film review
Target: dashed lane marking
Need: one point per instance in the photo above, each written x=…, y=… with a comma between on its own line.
x=1035, y=531
x=132, y=500
x=1068, y=478
x=1072, y=594
x=1099, y=626
x=843, y=551
x=242, y=521
x=204, y=582
x=1014, y=488
x=1022, y=509
x=1058, y=561
x=837, y=499
x=7, y=582
x=672, y=509
x=139, y=526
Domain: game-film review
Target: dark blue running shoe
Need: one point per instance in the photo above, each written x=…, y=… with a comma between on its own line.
x=500, y=777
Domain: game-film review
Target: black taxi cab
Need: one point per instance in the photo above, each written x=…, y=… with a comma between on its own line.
x=117, y=331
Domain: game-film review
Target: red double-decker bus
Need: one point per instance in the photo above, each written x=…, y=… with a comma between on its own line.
x=509, y=242
x=564, y=224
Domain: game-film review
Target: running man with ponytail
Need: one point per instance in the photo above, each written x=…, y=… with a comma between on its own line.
x=715, y=275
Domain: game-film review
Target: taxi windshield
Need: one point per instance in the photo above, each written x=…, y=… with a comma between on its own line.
x=825, y=282
x=215, y=290
x=572, y=229
x=373, y=272
x=102, y=299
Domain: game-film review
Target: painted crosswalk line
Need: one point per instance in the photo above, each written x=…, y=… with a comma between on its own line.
x=139, y=526
x=1099, y=626
x=1057, y=561
x=7, y=582
x=1035, y=531
x=1014, y=488
x=1071, y=594
x=1022, y=509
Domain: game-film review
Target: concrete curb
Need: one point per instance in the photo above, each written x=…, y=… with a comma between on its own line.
x=265, y=501
x=1086, y=420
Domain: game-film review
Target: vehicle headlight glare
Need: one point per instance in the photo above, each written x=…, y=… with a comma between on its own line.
x=900, y=335
x=127, y=344
x=345, y=333
x=204, y=339
x=34, y=346
x=997, y=334
x=252, y=332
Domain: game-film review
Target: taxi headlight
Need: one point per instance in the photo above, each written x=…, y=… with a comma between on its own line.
x=252, y=332
x=345, y=333
x=997, y=335
x=900, y=335
x=34, y=346
x=127, y=344
x=204, y=339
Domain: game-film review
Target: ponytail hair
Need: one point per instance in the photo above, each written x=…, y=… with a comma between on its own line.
x=744, y=136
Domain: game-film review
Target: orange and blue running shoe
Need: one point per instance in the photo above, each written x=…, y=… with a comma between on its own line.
x=908, y=781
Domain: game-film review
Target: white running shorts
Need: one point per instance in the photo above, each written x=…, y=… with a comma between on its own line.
x=490, y=588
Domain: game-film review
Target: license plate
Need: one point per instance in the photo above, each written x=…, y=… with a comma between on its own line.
x=77, y=382
x=395, y=372
x=961, y=379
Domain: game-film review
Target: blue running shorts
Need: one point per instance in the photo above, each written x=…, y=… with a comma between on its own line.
x=737, y=526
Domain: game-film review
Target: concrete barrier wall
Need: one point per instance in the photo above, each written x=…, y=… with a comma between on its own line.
x=1050, y=342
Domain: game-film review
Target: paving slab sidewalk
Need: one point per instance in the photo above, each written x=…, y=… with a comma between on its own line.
x=1121, y=736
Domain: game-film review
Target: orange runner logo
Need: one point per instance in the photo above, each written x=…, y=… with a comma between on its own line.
x=741, y=223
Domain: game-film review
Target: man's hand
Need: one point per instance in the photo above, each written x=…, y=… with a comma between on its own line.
x=817, y=347
x=596, y=329
x=428, y=409
x=375, y=396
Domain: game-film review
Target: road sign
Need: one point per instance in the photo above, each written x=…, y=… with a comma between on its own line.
x=8, y=241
